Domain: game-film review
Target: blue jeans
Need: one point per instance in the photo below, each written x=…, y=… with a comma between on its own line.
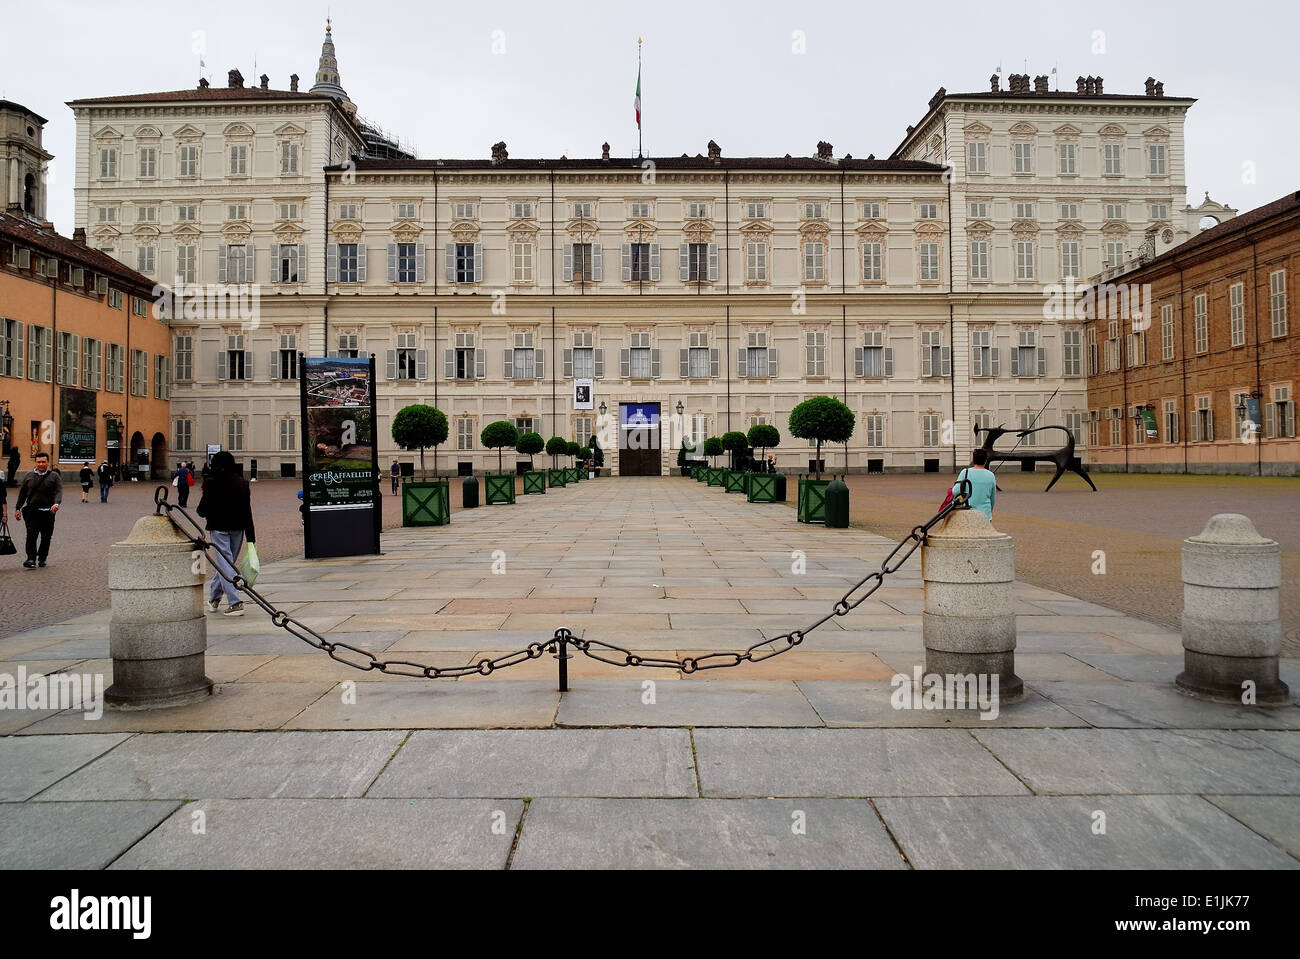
x=103, y=492
x=228, y=545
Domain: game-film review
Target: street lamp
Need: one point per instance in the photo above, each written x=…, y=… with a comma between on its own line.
x=603, y=408
x=680, y=408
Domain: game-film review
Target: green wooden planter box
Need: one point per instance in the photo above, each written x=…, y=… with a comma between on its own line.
x=762, y=487
x=716, y=477
x=534, y=482
x=556, y=478
x=499, y=488
x=812, y=498
x=700, y=474
x=734, y=482
x=571, y=475
x=426, y=504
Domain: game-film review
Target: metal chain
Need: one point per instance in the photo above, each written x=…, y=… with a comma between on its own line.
x=366, y=660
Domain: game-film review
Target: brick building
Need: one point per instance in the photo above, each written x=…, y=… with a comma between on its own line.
x=1199, y=375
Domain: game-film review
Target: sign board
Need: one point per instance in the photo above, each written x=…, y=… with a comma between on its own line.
x=583, y=398
x=78, y=425
x=340, y=472
x=1149, y=422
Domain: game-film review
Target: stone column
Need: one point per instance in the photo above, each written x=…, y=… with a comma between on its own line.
x=969, y=622
x=1232, y=628
x=157, y=635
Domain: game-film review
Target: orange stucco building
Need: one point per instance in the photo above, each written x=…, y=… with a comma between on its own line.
x=85, y=366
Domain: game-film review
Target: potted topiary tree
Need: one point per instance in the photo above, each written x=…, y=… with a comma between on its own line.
x=765, y=487
x=556, y=447
x=713, y=449
x=499, y=487
x=571, y=448
x=416, y=427
x=530, y=444
x=822, y=419
x=734, y=442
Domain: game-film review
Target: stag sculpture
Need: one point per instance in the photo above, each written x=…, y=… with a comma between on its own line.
x=1063, y=458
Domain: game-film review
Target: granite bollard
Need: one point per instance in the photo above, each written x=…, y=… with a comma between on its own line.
x=157, y=635
x=969, y=621
x=1232, y=627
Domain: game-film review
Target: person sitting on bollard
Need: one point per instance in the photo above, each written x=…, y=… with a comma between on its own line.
x=983, y=486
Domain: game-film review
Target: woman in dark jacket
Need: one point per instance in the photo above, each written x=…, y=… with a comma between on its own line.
x=227, y=505
x=105, y=481
x=87, y=480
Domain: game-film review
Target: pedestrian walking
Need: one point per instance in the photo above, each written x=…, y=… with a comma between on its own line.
x=226, y=503
x=105, y=481
x=182, y=479
x=396, y=473
x=983, y=484
x=87, y=480
x=41, y=493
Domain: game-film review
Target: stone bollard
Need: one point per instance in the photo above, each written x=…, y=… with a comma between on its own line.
x=969, y=622
x=1232, y=629
x=157, y=635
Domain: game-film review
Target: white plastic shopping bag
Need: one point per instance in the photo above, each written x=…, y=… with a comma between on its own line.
x=249, y=566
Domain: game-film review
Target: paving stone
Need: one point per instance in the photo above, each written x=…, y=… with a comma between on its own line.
x=234, y=766
x=469, y=640
x=233, y=706
x=704, y=834
x=541, y=762
x=1145, y=705
x=704, y=702
x=1286, y=743
x=1055, y=832
x=1142, y=668
x=31, y=765
x=805, y=664
x=1086, y=761
x=871, y=704
x=1276, y=818
x=76, y=649
x=434, y=704
x=848, y=762
x=73, y=835
x=1029, y=666
x=332, y=834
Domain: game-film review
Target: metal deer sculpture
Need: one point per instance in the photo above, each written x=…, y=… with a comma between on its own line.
x=1063, y=458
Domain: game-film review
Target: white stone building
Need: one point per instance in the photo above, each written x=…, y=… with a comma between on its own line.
x=912, y=288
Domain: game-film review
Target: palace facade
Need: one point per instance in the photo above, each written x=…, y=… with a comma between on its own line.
x=911, y=287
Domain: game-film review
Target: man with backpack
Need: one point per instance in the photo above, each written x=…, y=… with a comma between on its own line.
x=105, y=481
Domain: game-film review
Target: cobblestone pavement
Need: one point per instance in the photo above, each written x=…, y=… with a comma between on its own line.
x=1138, y=520
x=297, y=760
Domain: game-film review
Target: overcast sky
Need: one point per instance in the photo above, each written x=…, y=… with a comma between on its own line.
x=559, y=78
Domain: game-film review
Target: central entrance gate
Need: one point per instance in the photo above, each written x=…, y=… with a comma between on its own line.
x=638, y=440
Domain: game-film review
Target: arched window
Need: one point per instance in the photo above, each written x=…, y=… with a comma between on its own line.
x=29, y=194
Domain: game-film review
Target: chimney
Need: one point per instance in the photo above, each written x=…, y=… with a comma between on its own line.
x=1160, y=88
x=1080, y=85
x=1151, y=86
x=266, y=81
x=293, y=83
x=79, y=236
x=938, y=98
x=715, y=152
x=236, y=80
x=994, y=85
x=1099, y=82
x=203, y=83
x=910, y=129
x=499, y=152
x=1040, y=85
x=827, y=152
x=604, y=151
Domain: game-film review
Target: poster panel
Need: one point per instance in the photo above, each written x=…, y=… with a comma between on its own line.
x=78, y=425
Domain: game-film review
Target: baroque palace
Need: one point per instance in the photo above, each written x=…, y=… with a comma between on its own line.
x=710, y=291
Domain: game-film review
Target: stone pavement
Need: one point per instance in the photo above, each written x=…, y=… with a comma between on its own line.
x=800, y=761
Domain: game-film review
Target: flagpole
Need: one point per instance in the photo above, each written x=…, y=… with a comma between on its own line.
x=639, y=154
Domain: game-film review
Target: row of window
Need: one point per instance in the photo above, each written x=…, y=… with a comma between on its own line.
x=1114, y=211
x=1278, y=413
x=1236, y=327
x=290, y=211
x=239, y=157
x=1067, y=158
x=73, y=360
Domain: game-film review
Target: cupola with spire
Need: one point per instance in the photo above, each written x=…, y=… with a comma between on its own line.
x=327, y=73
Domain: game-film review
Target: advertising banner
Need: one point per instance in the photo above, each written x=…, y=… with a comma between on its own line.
x=1149, y=421
x=340, y=470
x=78, y=424
x=583, y=399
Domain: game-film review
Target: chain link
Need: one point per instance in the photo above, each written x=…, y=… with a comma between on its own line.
x=364, y=660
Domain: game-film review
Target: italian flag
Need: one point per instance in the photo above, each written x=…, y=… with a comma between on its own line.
x=637, y=102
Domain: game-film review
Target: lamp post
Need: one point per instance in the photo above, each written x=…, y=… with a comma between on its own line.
x=1245, y=414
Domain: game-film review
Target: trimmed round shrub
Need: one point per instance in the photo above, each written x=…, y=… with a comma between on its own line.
x=713, y=447
x=822, y=419
x=556, y=446
x=419, y=426
x=530, y=444
x=497, y=436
